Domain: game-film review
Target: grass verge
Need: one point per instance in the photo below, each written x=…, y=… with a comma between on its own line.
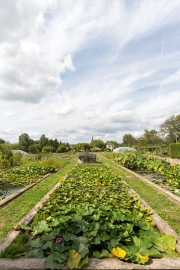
x=12, y=213
x=166, y=208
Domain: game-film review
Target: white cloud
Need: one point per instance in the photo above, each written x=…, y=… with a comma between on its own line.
x=64, y=110
x=122, y=117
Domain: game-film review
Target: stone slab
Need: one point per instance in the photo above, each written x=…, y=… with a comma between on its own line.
x=108, y=263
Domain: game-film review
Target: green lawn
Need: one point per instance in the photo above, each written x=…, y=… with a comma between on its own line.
x=166, y=208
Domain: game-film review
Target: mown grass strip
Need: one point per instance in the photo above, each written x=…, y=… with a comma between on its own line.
x=166, y=208
x=15, y=210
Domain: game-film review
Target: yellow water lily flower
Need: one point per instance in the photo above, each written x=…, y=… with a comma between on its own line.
x=119, y=252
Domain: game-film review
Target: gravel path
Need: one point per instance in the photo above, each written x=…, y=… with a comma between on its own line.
x=170, y=160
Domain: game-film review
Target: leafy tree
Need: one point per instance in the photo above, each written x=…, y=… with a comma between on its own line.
x=151, y=137
x=62, y=149
x=24, y=141
x=82, y=146
x=53, y=143
x=43, y=141
x=11, y=146
x=2, y=141
x=34, y=148
x=129, y=140
x=98, y=143
x=48, y=149
x=171, y=129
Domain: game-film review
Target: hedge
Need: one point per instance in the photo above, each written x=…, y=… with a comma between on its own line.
x=174, y=150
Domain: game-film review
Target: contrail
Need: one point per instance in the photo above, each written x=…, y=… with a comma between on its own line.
x=161, y=53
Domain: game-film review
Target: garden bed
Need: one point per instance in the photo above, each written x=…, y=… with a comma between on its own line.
x=95, y=224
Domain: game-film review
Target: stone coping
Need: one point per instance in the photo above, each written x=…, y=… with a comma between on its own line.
x=108, y=263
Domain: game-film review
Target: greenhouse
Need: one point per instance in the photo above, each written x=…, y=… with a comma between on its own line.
x=124, y=149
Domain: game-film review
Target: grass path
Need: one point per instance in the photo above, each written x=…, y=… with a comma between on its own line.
x=167, y=209
x=13, y=212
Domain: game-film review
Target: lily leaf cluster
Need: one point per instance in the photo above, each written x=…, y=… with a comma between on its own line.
x=140, y=162
x=24, y=175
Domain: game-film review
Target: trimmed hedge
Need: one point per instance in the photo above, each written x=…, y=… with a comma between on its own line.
x=174, y=150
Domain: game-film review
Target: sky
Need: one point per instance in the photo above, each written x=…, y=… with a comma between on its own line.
x=73, y=69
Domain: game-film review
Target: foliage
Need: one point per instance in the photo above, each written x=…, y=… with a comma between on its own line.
x=2, y=141
x=151, y=137
x=23, y=176
x=97, y=143
x=24, y=142
x=107, y=221
x=174, y=150
x=6, y=157
x=171, y=128
x=128, y=140
x=142, y=162
x=11, y=213
x=47, y=149
x=17, y=159
x=43, y=141
x=61, y=149
x=82, y=146
x=34, y=148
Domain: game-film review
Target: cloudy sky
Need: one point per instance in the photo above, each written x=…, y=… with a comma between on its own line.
x=73, y=69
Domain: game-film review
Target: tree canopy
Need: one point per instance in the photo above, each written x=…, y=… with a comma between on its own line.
x=171, y=129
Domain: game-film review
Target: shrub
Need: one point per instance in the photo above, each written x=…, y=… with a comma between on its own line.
x=174, y=150
x=6, y=157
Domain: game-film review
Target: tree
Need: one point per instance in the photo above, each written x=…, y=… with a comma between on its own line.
x=34, y=148
x=47, y=149
x=53, y=143
x=171, y=129
x=82, y=146
x=2, y=141
x=97, y=143
x=129, y=140
x=151, y=137
x=24, y=141
x=62, y=149
x=43, y=141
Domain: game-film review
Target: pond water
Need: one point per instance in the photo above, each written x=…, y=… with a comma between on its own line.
x=159, y=180
x=7, y=189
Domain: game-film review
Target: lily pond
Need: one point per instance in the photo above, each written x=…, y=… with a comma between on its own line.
x=92, y=214
x=14, y=179
x=160, y=180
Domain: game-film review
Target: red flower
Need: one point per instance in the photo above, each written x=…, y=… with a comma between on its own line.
x=58, y=240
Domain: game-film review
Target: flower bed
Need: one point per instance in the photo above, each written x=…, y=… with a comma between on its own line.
x=93, y=214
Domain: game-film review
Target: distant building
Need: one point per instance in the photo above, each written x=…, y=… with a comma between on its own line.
x=110, y=145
